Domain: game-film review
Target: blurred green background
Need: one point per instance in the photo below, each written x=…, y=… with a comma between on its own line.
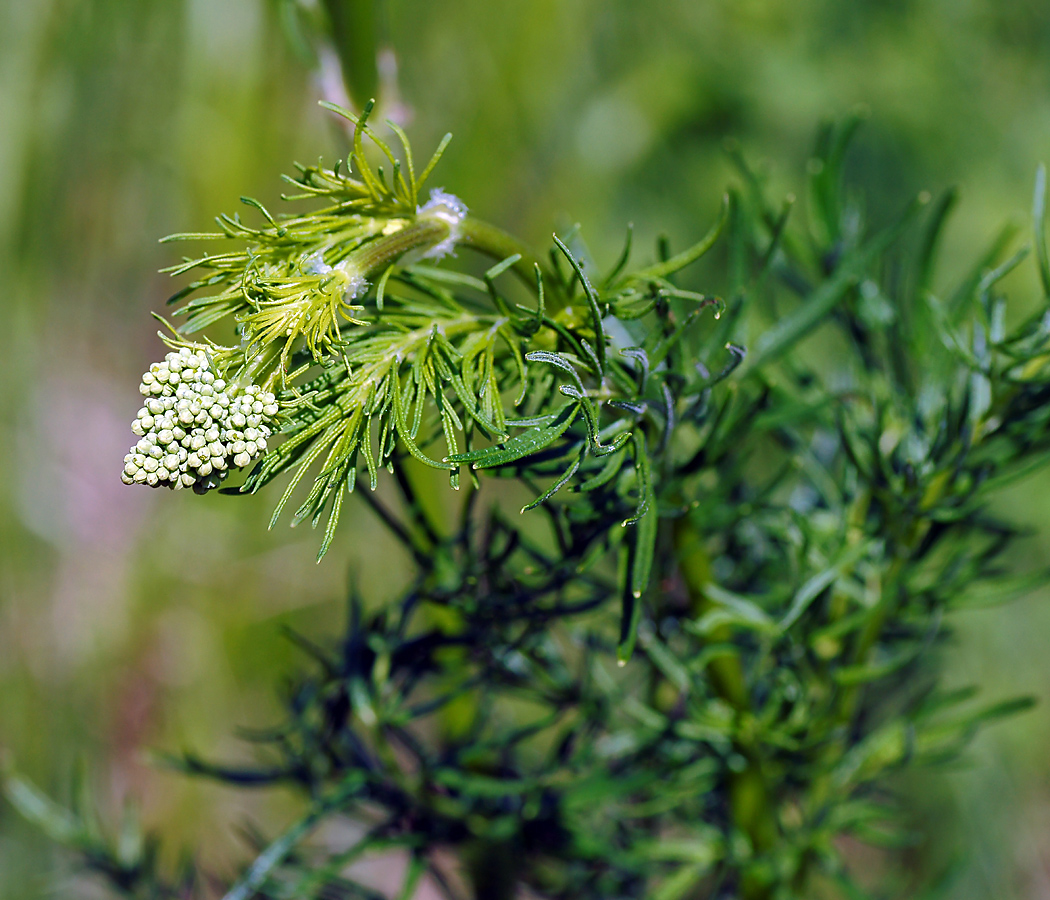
x=132, y=620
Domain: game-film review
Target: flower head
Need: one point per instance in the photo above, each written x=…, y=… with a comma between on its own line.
x=195, y=425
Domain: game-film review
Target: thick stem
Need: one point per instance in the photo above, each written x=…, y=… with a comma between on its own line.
x=427, y=231
x=372, y=259
x=500, y=245
x=848, y=701
x=355, y=36
x=749, y=798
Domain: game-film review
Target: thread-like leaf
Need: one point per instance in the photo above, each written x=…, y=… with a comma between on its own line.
x=521, y=445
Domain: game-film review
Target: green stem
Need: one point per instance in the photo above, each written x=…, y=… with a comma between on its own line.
x=373, y=258
x=848, y=701
x=751, y=805
x=426, y=230
x=355, y=35
x=500, y=245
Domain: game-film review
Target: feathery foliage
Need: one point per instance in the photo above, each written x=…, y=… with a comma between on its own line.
x=710, y=666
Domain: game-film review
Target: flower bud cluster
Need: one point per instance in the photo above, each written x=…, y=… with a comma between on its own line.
x=194, y=425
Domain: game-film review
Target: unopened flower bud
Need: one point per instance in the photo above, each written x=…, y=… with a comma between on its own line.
x=191, y=428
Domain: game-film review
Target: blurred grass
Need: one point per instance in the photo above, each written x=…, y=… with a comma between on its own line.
x=130, y=620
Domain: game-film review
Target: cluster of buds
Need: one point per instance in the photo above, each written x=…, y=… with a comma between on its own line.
x=195, y=426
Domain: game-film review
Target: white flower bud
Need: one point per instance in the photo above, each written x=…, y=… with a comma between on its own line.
x=191, y=429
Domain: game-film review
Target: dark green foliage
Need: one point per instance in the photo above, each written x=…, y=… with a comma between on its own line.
x=706, y=666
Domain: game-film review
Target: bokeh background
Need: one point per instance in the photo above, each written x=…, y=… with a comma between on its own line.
x=132, y=621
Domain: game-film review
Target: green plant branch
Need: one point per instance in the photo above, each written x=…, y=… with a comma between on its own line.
x=750, y=802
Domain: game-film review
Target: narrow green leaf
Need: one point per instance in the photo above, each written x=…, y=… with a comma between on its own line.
x=683, y=259
x=57, y=823
x=249, y=201
x=815, y=309
x=631, y=613
x=417, y=865
x=409, y=162
x=1039, y=222
x=645, y=487
x=609, y=471
x=276, y=852
x=984, y=594
x=559, y=362
x=815, y=585
x=736, y=610
x=645, y=540
x=965, y=292
x=592, y=302
x=682, y=883
x=557, y=486
x=993, y=276
x=931, y=239
x=433, y=160
x=381, y=286
x=625, y=255
x=493, y=273
x=521, y=445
